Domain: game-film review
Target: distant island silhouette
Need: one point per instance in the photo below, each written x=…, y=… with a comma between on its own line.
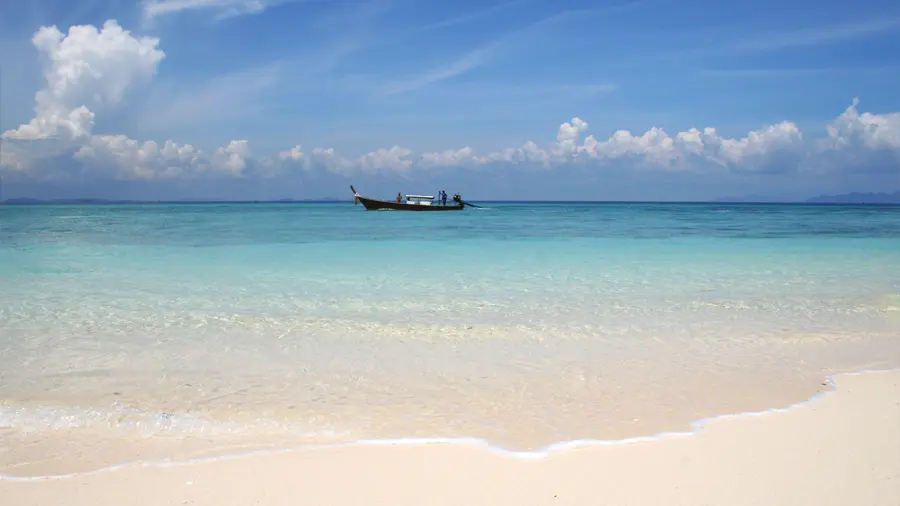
x=841, y=198
x=857, y=198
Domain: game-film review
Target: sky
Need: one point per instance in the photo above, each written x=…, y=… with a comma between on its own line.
x=507, y=100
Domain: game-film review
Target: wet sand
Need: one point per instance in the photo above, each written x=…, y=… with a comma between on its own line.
x=840, y=447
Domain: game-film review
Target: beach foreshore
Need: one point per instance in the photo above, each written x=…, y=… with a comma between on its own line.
x=840, y=447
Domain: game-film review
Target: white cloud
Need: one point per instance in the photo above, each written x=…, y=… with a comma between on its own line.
x=778, y=39
x=568, y=136
x=450, y=157
x=857, y=141
x=480, y=56
x=780, y=147
x=874, y=131
x=225, y=8
x=656, y=147
x=90, y=71
x=325, y=158
x=528, y=153
x=126, y=158
x=10, y=158
x=463, y=18
x=232, y=158
x=55, y=122
x=85, y=70
x=395, y=158
x=849, y=30
x=123, y=158
x=454, y=68
x=222, y=9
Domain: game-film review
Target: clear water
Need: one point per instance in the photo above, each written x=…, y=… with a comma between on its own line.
x=523, y=323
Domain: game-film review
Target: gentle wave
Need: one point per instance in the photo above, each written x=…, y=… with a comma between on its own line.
x=118, y=418
x=536, y=454
x=124, y=420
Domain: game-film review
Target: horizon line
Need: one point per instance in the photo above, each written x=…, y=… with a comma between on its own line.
x=26, y=201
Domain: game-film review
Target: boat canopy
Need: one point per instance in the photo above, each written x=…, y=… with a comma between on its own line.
x=429, y=197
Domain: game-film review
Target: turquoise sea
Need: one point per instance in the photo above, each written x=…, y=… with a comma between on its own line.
x=524, y=323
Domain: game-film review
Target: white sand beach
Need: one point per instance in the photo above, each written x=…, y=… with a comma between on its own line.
x=840, y=448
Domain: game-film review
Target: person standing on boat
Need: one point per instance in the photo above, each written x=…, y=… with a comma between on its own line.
x=399, y=198
x=443, y=197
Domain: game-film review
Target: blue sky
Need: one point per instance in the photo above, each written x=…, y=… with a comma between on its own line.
x=516, y=99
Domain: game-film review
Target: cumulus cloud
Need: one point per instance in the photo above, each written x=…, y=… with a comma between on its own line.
x=568, y=136
x=86, y=69
x=857, y=141
x=781, y=148
x=317, y=158
x=10, y=158
x=774, y=148
x=232, y=158
x=395, y=159
x=529, y=153
x=695, y=148
x=125, y=158
x=121, y=157
x=90, y=71
x=873, y=131
x=448, y=158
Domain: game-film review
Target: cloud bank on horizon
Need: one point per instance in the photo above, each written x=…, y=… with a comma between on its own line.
x=91, y=72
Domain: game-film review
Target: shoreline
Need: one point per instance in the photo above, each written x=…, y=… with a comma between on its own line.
x=840, y=446
x=661, y=407
x=829, y=382
x=219, y=447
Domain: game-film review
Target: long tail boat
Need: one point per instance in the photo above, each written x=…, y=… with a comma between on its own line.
x=412, y=203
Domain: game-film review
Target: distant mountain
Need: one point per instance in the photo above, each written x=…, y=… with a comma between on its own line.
x=844, y=198
x=744, y=199
x=857, y=198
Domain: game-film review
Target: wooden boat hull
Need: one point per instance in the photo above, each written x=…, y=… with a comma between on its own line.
x=380, y=205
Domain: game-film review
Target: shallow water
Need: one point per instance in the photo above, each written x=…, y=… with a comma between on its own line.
x=522, y=323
